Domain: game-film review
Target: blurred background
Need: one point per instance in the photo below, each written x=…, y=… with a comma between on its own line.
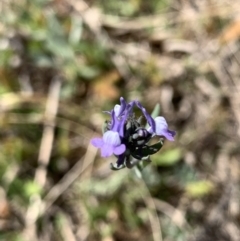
x=62, y=62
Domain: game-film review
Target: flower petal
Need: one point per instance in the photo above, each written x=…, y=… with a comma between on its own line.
x=148, y=117
x=97, y=142
x=112, y=138
x=161, y=125
x=118, y=150
x=119, y=109
x=162, y=128
x=169, y=135
x=106, y=150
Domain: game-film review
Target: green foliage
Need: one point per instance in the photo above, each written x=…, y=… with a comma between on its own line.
x=99, y=188
x=167, y=157
x=124, y=8
x=199, y=189
x=156, y=111
x=11, y=237
x=147, y=150
x=172, y=231
x=130, y=8
x=31, y=188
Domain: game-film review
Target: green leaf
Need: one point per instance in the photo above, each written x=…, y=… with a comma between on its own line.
x=154, y=114
x=147, y=150
x=167, y=158
x=199, y=188
x=54, y=25
x=88, y=72
x=56, y=40
x=43, y=61
x=30, y=188
x=156, y=111
x=76, y=30
x=59, y=47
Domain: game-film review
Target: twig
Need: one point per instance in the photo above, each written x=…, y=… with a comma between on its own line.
x=48, y=133
x=34, y=208
x=66, y=229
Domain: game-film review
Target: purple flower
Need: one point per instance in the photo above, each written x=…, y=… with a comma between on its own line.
x=119, y=109
x=125, y=135
x=111, y=142
x=158, y=126
x=161, y=129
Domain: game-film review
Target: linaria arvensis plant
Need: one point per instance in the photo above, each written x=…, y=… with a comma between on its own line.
x=125, y=137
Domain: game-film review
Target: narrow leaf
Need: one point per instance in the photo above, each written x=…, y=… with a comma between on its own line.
x=146, y=150
x=156, y=111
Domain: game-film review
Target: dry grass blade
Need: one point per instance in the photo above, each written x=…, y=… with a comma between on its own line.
x=175, y=214
x=70, y=177
x=152, y=214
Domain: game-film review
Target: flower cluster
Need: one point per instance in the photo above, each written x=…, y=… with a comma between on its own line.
x=127, y=139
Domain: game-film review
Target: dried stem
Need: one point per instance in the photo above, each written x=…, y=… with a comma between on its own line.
x=40, y=178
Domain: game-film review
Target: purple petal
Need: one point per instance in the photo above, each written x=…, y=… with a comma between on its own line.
x=106, y=150
x=169, y=135
x=117, y=123
x=119, y=115
x=161, y=125
x=130, y=106
x=112, y=138
x=97, y=142
x=148, y=117
x=121, y=107
x=118, y=150
x=162, y=129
